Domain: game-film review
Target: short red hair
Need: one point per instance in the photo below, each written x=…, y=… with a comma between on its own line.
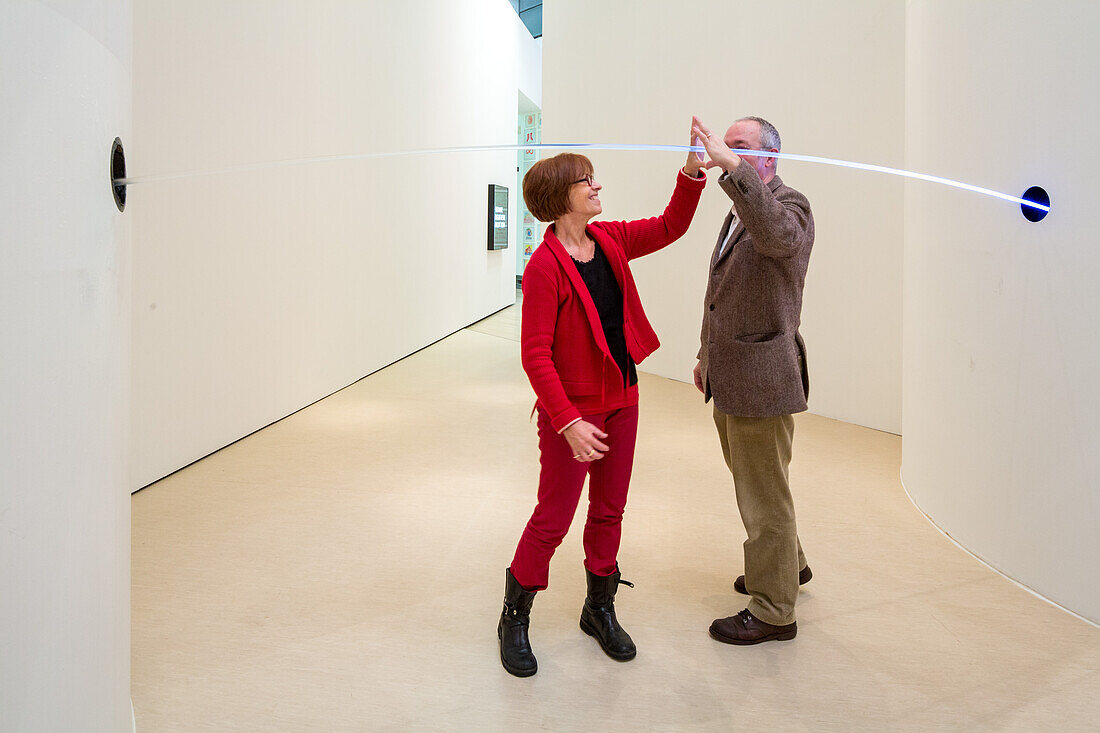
x=546, y=186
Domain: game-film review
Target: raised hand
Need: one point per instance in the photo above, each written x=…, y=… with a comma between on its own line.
x=695, y=160
x=718, y=152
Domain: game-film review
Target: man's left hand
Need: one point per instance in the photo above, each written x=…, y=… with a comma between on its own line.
x=717, y=150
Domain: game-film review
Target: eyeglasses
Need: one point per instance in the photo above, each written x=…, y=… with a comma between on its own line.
x=589, y=179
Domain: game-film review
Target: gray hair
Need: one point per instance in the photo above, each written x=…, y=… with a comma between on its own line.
x=769, y=136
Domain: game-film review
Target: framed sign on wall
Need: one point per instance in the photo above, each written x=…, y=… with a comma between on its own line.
x=498, y=217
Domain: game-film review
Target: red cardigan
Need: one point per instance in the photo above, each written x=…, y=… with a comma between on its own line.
x=562, y=344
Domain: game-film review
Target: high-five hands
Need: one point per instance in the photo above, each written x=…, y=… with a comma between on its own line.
x=695, y=160
x=718, y=152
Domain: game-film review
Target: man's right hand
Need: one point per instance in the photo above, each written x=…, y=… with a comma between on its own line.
x=697, y=372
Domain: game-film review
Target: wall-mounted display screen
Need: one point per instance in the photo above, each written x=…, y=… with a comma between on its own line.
x=498, y=217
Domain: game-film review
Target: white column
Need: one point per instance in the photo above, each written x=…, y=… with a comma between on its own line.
x=64, y=355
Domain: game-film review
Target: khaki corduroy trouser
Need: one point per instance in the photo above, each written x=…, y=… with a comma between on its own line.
x=758, y=453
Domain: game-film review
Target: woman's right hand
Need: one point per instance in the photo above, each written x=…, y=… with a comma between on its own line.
x=585, y=440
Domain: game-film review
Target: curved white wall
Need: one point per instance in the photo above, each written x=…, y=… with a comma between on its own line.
x=64, y=335
x=831, y=77
x=1001, y=395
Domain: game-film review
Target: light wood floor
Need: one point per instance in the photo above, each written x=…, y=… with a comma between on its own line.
x=343, y=569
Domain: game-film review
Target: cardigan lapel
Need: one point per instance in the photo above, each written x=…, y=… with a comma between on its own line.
x=558, y=249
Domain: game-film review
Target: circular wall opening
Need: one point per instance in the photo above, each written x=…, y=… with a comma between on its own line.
x=118, y=171
x=1035, y=194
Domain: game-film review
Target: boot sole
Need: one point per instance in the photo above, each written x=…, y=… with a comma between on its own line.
x=785, y=636
x=514, y=671
x=587, y=628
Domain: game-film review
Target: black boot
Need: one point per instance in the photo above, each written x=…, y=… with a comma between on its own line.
x=598, y=616
x=515, y=648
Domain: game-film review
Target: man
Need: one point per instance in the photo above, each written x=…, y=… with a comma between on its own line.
x=752, y=362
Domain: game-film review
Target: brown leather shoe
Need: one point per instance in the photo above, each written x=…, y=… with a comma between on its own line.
x=744, y=629
x=804, y=576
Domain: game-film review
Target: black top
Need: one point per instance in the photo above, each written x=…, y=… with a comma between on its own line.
x=608, y=297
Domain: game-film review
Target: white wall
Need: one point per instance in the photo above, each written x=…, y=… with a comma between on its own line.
x=529, y=64
x=258, y=293
x=831, y=77
x=64, y=312
x=1002, y=407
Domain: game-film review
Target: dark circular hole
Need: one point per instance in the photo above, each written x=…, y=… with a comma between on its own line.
x=1036, y=195
x=118, y=171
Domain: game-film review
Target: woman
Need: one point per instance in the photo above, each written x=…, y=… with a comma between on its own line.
x=583, y=332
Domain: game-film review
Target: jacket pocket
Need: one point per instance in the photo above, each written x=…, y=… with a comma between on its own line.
x=758, y=338
x=758, y=379
x=766, y=370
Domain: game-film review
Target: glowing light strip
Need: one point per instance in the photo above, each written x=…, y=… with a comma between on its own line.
x=588, y=146
x=896, y=172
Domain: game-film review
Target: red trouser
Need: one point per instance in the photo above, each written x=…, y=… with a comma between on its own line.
x=560, y=482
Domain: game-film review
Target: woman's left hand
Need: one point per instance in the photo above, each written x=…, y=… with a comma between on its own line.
x=694, y=162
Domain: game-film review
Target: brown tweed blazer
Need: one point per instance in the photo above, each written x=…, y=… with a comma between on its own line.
x=753, y=360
